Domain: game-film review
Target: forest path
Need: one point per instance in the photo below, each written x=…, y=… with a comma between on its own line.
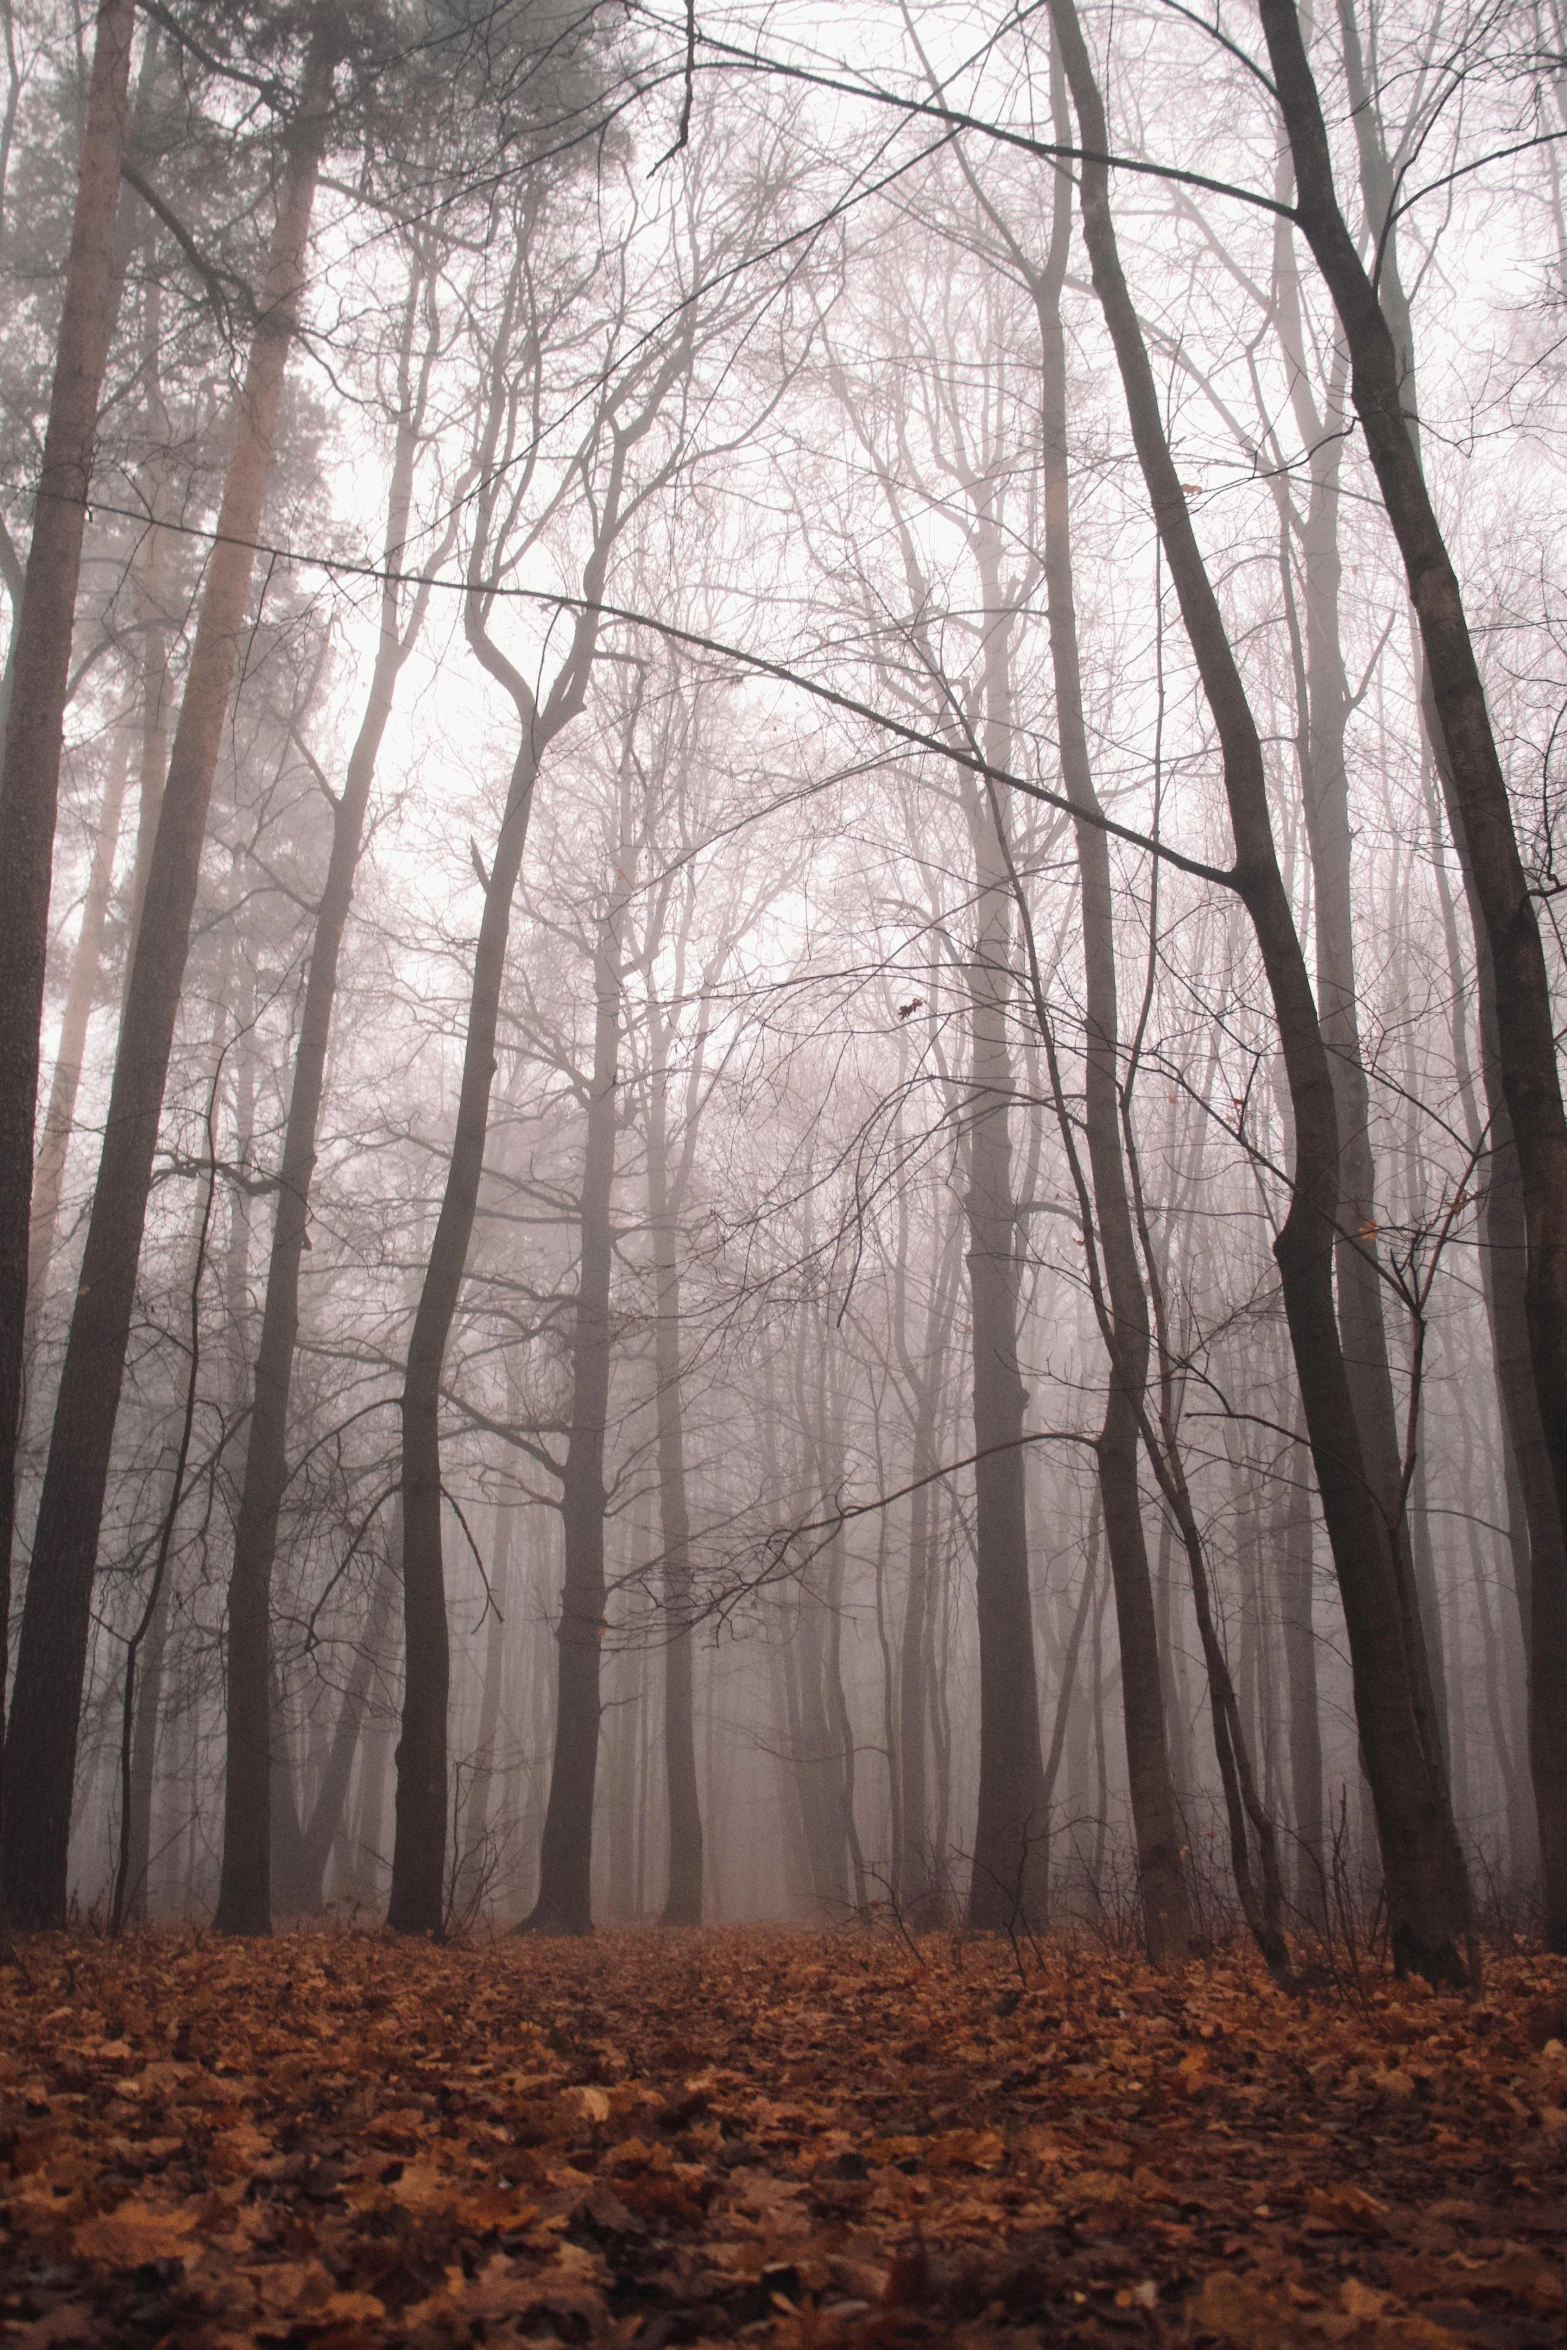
x=341, y=2140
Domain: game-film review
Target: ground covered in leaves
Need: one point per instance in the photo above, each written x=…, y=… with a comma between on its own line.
x=799, y=2139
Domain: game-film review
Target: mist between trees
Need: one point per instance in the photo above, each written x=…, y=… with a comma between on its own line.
x=779, y=1128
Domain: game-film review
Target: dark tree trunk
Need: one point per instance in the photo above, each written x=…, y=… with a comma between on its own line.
x=244, y=1893
x=565, y=1902
x=41, y=1746
x=1325, y=798
x=1427, y=1888
x=1008, y=1886
x=1500, y=893
x=419, y=1854
x=38, y=673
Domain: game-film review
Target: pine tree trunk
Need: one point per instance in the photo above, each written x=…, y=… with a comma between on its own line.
x=41, y=1747
x=38, y=673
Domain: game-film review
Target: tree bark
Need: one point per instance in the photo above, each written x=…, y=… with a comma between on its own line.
x=41, y=1745
x=1429, y=1909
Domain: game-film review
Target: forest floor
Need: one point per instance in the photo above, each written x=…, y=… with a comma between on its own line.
x=339, y=2140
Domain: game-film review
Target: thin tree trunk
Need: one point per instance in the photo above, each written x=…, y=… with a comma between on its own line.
x=1325, y=801
x=564, y=1904
x=244, y=1894
x=683, y=1900
x=419, y=1859
x=1300, y=1670
x=41, y=1746
x=1427, y=1886
x=1155, y=1820
x=144, y=1758
x=915, y=1884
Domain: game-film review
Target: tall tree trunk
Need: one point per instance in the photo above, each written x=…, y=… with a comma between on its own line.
x=1427, y=1886
x=564, y=1904
x=1156, y=1822
x=38, y=673
x=419, y=1853
x=1008, y=1886
x=1325, y=801
x=915, y=1883
x=683, y=1901
x=837, y=1727
x=1500, y=891
x=41, y=1745
x=244, y=1892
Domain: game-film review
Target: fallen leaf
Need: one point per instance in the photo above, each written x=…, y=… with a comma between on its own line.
x=135, y=2232
x=1248, y=2316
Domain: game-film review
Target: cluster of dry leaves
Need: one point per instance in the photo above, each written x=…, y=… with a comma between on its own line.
x=339, y=2141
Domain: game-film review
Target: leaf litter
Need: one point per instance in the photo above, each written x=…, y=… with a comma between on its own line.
x=342, y=2140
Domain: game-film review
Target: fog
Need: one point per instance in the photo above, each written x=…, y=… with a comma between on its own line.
x=789, y=1105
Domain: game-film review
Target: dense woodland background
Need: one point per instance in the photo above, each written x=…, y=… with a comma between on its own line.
x=706, y=1338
